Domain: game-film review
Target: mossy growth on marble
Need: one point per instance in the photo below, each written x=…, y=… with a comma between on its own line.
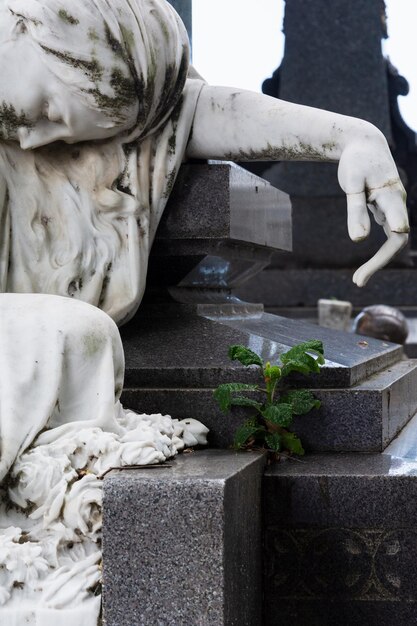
x=273, y=404
x=66, y=17
x=11, y=120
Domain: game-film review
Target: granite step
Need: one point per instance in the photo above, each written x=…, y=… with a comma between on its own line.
x=192, y=342
x=310, y=314
x=362, y=418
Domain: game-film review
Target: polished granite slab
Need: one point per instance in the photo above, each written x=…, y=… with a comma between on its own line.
x=192, y=342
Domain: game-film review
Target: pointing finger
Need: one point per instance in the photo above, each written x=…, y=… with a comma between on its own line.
x=394, y=243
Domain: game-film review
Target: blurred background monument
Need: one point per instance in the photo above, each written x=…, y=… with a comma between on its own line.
x=333, y=60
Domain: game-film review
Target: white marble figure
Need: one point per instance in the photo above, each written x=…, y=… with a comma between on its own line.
x=98, y=109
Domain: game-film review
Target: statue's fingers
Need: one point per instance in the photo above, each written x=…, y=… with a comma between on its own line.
x=359, y=224
x=390, y=201
x=387, y=251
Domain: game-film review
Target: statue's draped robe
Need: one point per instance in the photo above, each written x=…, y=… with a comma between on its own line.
x=85, y=233
x=79, y=220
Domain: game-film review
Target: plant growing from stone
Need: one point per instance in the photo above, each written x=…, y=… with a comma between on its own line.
x=267, y=428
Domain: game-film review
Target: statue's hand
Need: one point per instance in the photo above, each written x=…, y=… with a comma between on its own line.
x=368, y=175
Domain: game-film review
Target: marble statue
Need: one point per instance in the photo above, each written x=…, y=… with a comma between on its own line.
x=98, y=109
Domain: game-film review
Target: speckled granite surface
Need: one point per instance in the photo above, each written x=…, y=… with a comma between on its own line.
x=182, y=544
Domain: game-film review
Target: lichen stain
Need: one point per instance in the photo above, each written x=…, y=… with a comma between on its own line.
x=92, y=68
x=128, y=36
x=113, y=43
x=329, y=145
x=93, y=343
x=66, y=17
x=92, y=35
x=10, y=120
x=172, y=143
x=170, y=182
x=301, y=152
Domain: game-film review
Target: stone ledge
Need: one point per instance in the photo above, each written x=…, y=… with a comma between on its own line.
x=220, y=200
x=193, y=348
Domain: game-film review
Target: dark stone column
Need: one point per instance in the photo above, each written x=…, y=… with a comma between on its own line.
x=333, y=60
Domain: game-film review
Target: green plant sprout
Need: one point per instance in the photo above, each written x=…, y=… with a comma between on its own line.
x=267, y=428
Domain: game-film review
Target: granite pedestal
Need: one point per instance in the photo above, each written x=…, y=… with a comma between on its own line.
x=176, y=354
x=182, y=543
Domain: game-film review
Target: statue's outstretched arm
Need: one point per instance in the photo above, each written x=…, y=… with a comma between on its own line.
x=246, y=126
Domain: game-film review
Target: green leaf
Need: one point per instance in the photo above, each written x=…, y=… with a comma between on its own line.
x=273, y=441
x=301, y=400
x=314, y=345
x=273, y=372
x=279, y=414
x=291, y=442
x=305, y=358
x=223, y=393
x=245, y=432
x=244, y=356
x=243, y=401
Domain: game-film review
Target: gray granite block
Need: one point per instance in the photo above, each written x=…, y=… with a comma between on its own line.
x=331, y=490
x=340, y=541
x=220, y=200
x=323, y=67
x=221, y=226
x=364, y=418
x=176, y=358
x=182, y=544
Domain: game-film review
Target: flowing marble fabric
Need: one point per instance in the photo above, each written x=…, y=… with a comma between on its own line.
x=91, y=209
x=64, y=382
x=90, y=215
